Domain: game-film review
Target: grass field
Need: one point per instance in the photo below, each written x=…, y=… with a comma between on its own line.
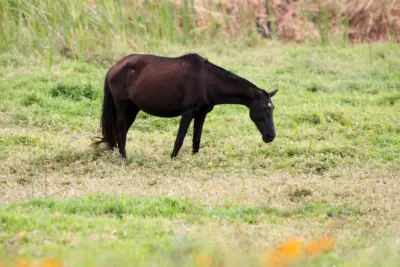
x=333, y=168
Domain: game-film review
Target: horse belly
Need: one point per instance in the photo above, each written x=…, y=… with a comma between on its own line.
x=161, y=101
x=164, y=114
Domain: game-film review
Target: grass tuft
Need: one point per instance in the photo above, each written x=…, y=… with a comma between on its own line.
x=74, y=90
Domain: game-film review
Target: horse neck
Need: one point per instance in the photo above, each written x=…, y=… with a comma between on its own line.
x=225, y=90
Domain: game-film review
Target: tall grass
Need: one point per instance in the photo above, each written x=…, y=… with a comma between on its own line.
x=84, y=29
x=345, y=31
x=74, y=27
x=80, y=29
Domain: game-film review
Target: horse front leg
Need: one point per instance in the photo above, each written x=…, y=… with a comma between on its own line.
x=186, y=119
x=197, y=130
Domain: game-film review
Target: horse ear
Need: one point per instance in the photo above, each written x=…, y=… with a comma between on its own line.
x=273, y=93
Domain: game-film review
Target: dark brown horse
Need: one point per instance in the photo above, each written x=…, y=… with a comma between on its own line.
x=188, y=86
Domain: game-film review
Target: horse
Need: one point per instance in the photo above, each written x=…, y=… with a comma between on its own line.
x=188, y=86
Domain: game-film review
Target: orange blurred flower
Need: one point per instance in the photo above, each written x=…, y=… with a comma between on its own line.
x=23, y=263
x=319, y=246
x=292, y=249
x=30, y=263
x=285, y=253
x=50, y=263
x=203, y=260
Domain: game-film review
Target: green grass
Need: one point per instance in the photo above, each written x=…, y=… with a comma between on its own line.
x=166, y=207
x=141, y=230
x=151, y=226
x=332, y=169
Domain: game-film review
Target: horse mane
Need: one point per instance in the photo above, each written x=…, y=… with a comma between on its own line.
x=198, y=63
x=196, y=60
x=232, y=78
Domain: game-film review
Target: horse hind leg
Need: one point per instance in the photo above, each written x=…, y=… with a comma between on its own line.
x=132, y=112
x=126, y=115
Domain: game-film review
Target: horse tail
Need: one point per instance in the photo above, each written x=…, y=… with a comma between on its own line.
x=108, y=119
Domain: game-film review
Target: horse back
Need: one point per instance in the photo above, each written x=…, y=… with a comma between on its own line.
x=158, y=85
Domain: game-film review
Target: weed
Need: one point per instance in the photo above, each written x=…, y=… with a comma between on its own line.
x=313, y=118
x=73, y=90
x=299, y=193
x=31, y=99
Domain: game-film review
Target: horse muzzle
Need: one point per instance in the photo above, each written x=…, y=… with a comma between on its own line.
x=268, y=138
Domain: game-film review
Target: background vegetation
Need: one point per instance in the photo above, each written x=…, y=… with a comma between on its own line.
x=86, y=30
x=333, y=169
